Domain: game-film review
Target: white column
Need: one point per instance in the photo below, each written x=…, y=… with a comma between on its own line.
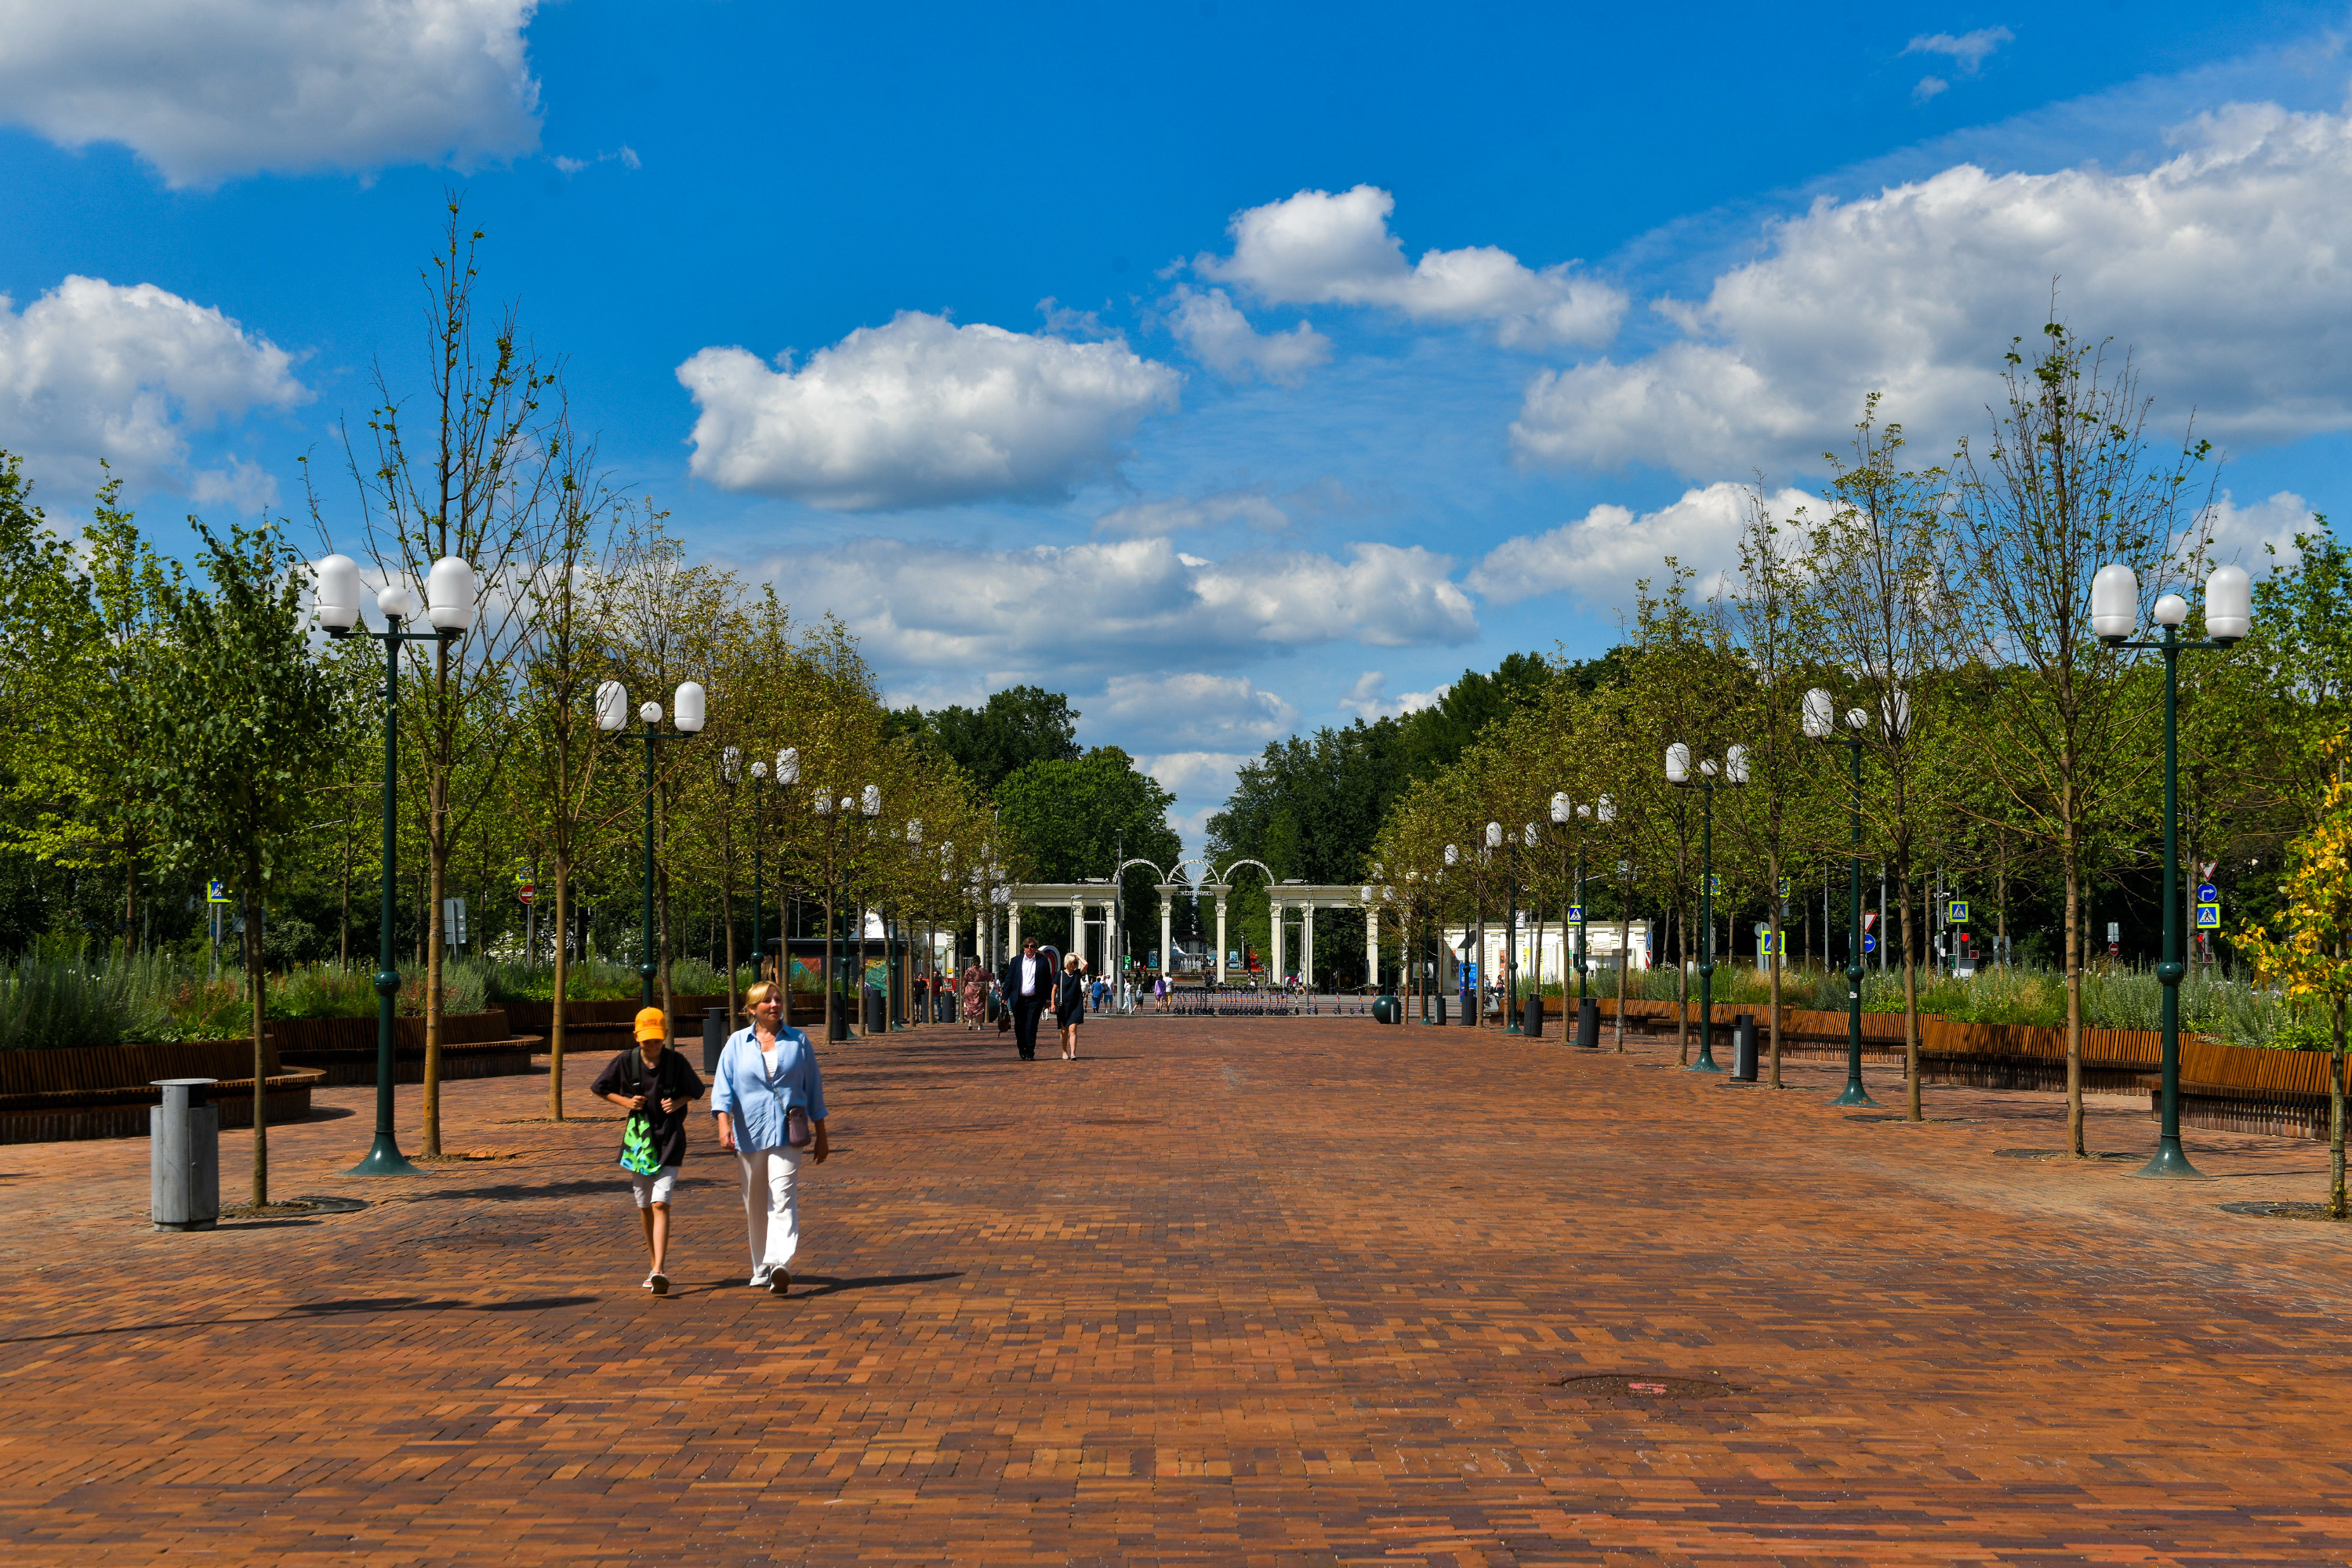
x=1273, y=907
x=1013, y=929
x=1306, y=943
x=1078, y=927
x=1372, y=947
x=1221, y=939
x=1167, y=953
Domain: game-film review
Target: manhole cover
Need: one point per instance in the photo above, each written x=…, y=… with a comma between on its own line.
x=2059, y=1155
x=2278, y=1211
x=1622, y=1385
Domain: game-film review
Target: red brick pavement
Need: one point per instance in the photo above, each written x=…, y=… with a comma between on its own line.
x=1282, y=1291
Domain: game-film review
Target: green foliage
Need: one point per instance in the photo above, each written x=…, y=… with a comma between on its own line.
x=1017, y=727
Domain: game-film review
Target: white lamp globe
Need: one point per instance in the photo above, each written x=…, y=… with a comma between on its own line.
x=823, y=804
x=788, y=765
x=1735, y=764
x=759, y=770
x=449, y=590
x=1819, y=714
x=1677, y=763
x=395, y=603
x=688, y=708
x=1560, y=809
x=649, y=712
x=2229, y=604
x=2114, y=602
x=2172, y=610
x=1453, y=855
x=1605, y=809
x=731, y=763
x=871, y=801
x=612, y=705
x=336, y=581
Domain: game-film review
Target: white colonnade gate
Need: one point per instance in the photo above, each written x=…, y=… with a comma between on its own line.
x=1288, y=899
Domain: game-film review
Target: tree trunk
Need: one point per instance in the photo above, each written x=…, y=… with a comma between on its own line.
x=562, y=970
x=130, y=899
x=832, y=982
x=1682, y=986
x=2074, y=1004
x=1772, y=882
x=2336, y=1120
x=436, y=940
x=1910, y=999
x=256, y=996
x=727, y=918
x=1624, y=959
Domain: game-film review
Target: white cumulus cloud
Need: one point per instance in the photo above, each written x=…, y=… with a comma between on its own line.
x=1317, y=248
x=208, y=89
x=1121, y=607
x=1204, y=711
x=92, y=370
x=1201, y=783
x=2224, y=266
x=1213, y=331
x=1968, y=50
x=920, y=411
x=1602, y=554
x=2249, y=535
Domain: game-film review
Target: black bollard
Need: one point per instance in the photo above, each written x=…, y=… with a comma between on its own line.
x=1587, y=1025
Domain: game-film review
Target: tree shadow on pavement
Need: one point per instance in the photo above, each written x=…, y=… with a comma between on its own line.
x=307, y=1311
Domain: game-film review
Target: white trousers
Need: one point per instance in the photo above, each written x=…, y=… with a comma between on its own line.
x=772, y=1203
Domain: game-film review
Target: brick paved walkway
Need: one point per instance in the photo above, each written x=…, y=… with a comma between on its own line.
x=1289, y=1292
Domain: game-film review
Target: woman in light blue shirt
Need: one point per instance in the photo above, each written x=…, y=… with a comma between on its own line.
x=769, y=1098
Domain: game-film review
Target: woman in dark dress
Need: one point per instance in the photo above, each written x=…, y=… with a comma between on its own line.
x=1070, y=1006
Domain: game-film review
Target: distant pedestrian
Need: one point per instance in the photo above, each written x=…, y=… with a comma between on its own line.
x=1070, y=1007
x=770, y=1105
x=974, y=1000
x=655, y=1085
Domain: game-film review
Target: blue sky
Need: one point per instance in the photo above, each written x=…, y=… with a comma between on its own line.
x=1232, y=367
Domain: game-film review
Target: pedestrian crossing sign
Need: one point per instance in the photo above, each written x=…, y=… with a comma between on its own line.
x=1575, y=912
x=2209, y=917
x=1955, y=911
x=216, y=891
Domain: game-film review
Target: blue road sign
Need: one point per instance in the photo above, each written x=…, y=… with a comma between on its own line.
x=2207, y=893
x=1955, y=911
x=216, y=892
x=1575, y=913
x=2209, y=917
x=1870, y=942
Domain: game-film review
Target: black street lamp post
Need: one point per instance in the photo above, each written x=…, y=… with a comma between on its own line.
x=2229, y=615
x=1734, y=772
x=1821, y=724
x=613, y=715
x=450, y=586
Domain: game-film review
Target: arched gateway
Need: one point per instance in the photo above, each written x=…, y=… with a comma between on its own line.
x=1302, y=898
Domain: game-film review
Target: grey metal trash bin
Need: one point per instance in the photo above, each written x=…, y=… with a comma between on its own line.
x=714, y=1036
x=1531, y=1019
x=1587, y=1025
x=183, y=1153
x=1743, y=1046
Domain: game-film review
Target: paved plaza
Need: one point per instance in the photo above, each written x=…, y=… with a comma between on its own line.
x=1278, y=1291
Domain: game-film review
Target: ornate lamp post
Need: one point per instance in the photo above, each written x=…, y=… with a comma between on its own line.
x=1734, y=772
x=450, y=587
x=1820, y=725
x=613, y=715
x=2229, y=615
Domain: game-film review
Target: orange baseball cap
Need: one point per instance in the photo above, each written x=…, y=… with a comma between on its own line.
x=653, y=1024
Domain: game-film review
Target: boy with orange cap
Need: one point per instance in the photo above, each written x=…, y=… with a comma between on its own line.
x=655, y=1085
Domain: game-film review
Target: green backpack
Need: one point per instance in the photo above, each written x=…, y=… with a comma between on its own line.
x=639, y=1156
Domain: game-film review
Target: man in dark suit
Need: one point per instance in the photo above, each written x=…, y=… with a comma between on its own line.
x=1028, y=988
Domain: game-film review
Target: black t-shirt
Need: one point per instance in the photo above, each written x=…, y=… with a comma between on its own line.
x=673, y=1078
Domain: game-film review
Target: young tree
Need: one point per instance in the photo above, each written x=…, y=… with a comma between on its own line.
x=474, y=491
x=1878, y=570
x=247, y=728
x=2314, y=958
x=2067, y=484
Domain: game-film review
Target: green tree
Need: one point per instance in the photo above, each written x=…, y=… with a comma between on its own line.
x=2314, y=958
x=247, y=729
x=1015, y=727
x=2066, y=485
x=1071, y=817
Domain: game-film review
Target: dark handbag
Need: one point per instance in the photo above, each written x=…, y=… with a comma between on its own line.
x=796, y=1127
